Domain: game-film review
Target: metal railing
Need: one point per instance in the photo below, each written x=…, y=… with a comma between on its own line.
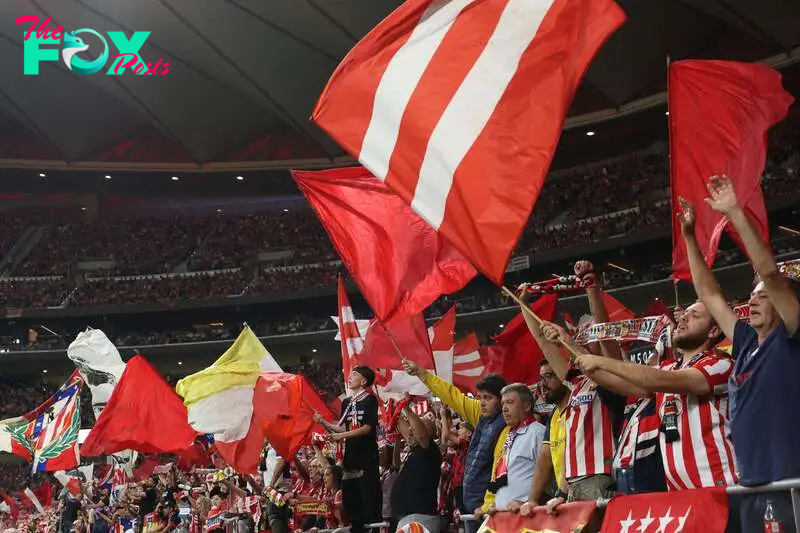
x=380, y=527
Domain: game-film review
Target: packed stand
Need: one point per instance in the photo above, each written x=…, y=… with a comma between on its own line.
x=34, y=293
x=161, y=289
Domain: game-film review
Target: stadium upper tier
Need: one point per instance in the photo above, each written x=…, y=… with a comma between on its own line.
x=76, y=257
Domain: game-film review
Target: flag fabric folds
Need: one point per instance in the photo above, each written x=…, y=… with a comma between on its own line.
x=409, y=335
x=350, y=333
x=29, y=500
x=99, y=363
x=9, y=506
x=219, y=399
x=686, y=511
x=571, y=517
x=515, y=354
x=48, y=435
x=458, y=107
x=400, y=263
x=616, y=310
x=719, y=114
x=144, y=414
x=442, y=335
x=285, y=403
x=468, y=365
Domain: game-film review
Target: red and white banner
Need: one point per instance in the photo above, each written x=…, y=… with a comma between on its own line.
x=570, y=517
x=458, y=107
x=684, y=511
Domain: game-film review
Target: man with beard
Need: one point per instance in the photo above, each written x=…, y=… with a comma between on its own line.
x=550, y=463
x=691, y=394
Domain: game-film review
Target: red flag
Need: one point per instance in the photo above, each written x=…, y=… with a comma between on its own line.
x=571, y=517
x=44, y=493
x=656, y=308
x=687, y=511
x=350, y=338
x=9, y=506
x=515, y=354
x=410, y=335
x=468, y=365
x=719, y=114
x=616, y=311
x=144, y=414
x=196, y=456
x=401, y=264
x=146, y=468
x=285, y=405
x=442, y=335
x=458, y=107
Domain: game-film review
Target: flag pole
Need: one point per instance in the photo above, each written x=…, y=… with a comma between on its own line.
x=391, y=339
x=670, y=170
x=529, y=312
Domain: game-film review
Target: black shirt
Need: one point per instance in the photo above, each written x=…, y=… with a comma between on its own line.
x=361, y=451
x=148, y=503
x=71, y=508
x=415, y=490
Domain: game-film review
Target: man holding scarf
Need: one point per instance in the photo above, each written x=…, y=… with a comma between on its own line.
x=361, y=486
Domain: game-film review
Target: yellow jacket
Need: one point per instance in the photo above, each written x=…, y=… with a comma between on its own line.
x=469, y=409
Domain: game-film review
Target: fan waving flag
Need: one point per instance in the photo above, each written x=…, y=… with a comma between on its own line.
x=400, y=263
x=48, y=435
x=719, y=114
x=458, y=107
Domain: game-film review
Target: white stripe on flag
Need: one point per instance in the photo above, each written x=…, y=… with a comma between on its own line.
x=473, y=104
x=471, y=372
x=466, y=358
x=34, y=500
x=398, y=82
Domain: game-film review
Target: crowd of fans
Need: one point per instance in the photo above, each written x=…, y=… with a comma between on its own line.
x=576, y=207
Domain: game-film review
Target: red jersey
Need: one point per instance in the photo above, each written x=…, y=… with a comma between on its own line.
x=590, y=435
x=703, y=455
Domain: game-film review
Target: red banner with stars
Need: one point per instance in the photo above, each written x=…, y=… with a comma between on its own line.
x=685, y=511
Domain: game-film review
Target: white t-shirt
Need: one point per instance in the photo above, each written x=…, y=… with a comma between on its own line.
x=284, y=481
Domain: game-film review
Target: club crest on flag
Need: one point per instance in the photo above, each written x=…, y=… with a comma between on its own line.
x=48, y=435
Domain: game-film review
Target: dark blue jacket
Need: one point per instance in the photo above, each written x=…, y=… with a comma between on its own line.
x=480, y=456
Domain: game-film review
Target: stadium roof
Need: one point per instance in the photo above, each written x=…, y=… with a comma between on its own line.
x=245, y=75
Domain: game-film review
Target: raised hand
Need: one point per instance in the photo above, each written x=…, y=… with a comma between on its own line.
x=585, y=271
x=722, y=196
x=687, y=216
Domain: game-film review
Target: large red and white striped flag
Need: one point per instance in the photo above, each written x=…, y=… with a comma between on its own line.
x=458, y=106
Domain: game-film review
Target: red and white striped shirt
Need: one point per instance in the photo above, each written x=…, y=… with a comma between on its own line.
x=590, y=437
x=703, y=456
